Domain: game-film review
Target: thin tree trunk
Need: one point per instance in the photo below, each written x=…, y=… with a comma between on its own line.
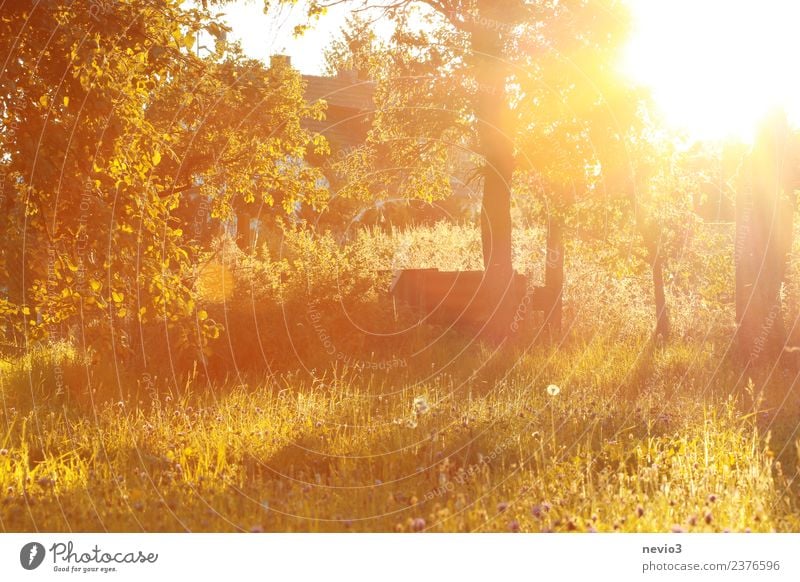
x=662, y=313
x=554, y=275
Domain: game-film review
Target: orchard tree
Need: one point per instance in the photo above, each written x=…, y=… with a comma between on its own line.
x=522, y=87
x=765, y=204
x=110, y=123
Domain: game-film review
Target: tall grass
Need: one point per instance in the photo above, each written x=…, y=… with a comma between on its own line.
x=464, y=437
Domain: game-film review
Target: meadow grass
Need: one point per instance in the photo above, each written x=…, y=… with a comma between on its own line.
x=467, y=436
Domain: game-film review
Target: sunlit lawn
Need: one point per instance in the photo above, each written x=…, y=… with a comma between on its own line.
x=637, y=439
x=605, y=431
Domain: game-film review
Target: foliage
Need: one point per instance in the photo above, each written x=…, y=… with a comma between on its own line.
x=120, y=145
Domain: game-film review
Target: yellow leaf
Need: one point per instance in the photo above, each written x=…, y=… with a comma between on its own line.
x=122, y=312
x=26, y=311
x=43, y=100
x=202, y=315
x=95, y=285
x=66, y=101
x=117, y=297
x=156, y=158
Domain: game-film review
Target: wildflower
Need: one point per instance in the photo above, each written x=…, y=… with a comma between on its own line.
x=537, y=511
x=420, y=405
x=693, y=520
x=418, y=524
x=708, y=517
x=712, y=498
x=502, y=506
x=553, y=390
x=513, y=526
x=3, y=452
x=639, y=511
x=256, y=529
x=677, y=529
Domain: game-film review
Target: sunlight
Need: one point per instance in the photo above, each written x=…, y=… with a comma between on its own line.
x=715, y=67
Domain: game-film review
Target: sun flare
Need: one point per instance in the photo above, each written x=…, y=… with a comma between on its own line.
x=716, y=67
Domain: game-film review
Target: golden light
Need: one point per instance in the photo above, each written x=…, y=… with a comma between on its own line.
x=716, y=67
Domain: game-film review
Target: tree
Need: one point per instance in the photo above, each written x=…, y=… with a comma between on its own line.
x=490, y=77
x=110, y=123
x=764, y=221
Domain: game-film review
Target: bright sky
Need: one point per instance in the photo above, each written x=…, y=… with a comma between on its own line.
x=715, y=66
x=263, y=35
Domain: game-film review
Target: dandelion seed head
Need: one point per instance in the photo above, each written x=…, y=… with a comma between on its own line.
x=420, y=405
x=553, y=390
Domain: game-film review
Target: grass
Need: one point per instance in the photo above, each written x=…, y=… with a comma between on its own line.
x=465, y=437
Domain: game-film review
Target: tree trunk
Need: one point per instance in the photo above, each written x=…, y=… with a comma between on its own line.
x=554, y=275
x=495, y=144
x=662, y=313
x=763, y=239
